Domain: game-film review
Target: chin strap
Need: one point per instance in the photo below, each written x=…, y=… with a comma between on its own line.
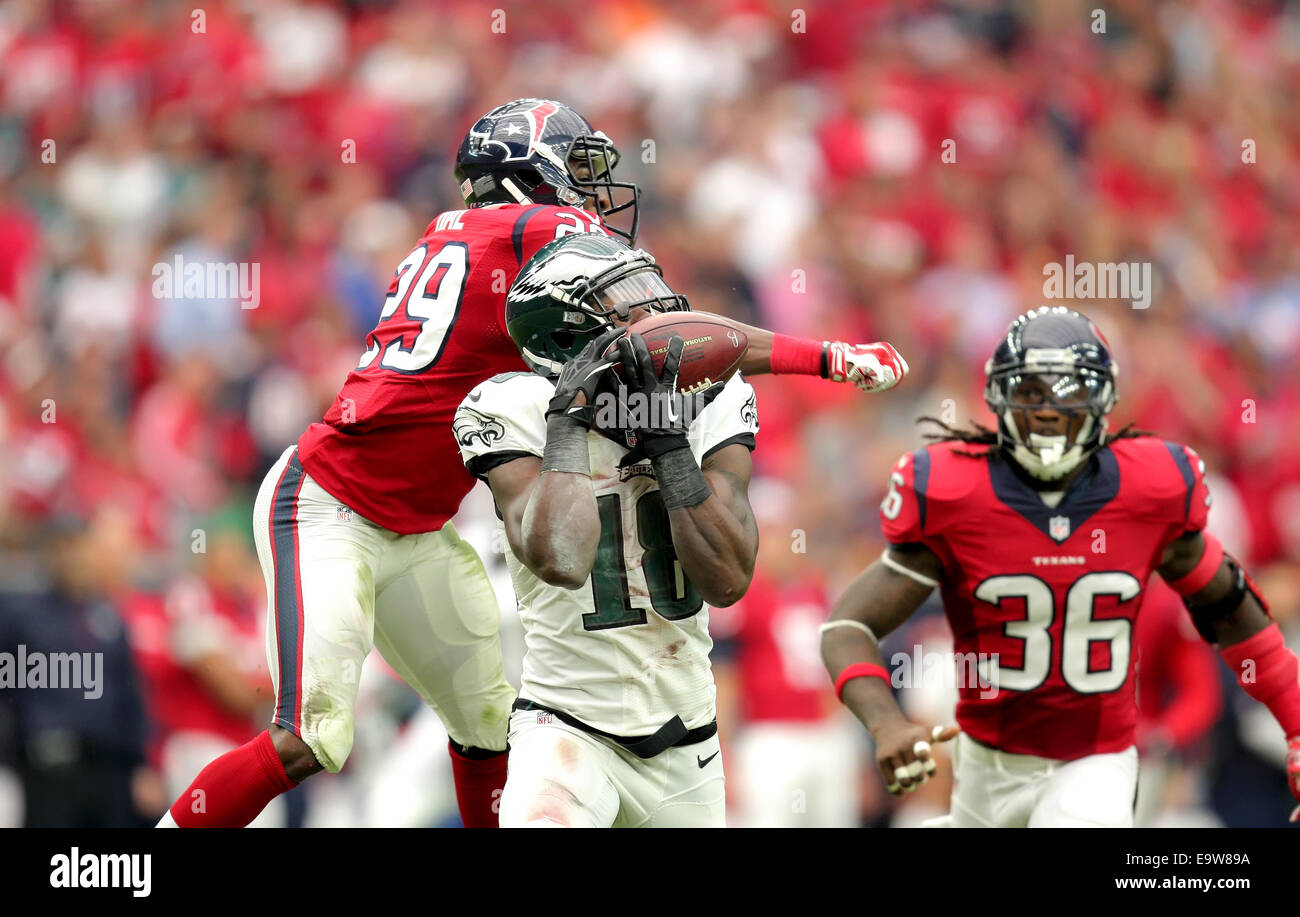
x=515, y=192
x=1047, y=457
x=1050, y=449
x=1050, y=466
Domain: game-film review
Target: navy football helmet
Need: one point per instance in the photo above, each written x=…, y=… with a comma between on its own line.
x=535, y=151
x=1055, y=357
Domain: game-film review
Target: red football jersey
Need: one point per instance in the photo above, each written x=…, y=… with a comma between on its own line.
x=1053, y=592
x=385, y=447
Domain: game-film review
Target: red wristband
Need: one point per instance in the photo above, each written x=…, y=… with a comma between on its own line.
x=797, y=356
x=859, y=670
x=1268, y=671
x=1200, y=575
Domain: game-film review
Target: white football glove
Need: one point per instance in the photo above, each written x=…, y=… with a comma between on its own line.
x=874, y=367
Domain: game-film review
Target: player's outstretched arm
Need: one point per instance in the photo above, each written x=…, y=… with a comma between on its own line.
x=1229, y=611
x=873, y=367
x=876, y=603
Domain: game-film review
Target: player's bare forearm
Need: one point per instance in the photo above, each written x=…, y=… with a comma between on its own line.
x=717, y=540
x=550, y=520
x=716, y=547
x=881, y=599
x=757, y=360
x=549, y=506
x=869, y=699
x=758, y=353
x=561, y=528
x=875, y=367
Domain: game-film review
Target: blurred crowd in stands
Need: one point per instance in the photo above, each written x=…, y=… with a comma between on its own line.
x=792, y=170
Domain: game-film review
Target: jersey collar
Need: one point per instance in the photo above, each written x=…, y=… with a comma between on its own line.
x=1090, y=491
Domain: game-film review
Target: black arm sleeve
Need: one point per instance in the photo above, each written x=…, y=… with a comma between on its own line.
x=480, y=465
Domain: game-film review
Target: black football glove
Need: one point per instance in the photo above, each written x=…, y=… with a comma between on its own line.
x=582, y=374
x=665, y=416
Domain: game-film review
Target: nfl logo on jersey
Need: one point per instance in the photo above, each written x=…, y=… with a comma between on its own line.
x=1059, y=527
x=544, y=719
x=344, y=513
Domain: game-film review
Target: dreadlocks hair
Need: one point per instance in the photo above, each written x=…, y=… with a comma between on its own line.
x=980, y=435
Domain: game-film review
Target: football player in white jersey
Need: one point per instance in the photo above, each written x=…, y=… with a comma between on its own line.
x=622, y=531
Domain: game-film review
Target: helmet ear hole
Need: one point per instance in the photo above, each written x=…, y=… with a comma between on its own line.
x=530, y=178
x=563, y=338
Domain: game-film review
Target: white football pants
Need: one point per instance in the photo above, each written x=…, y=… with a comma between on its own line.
x=338, y=584
x=995, y=789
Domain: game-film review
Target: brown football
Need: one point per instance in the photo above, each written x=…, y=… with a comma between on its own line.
x=711, y=353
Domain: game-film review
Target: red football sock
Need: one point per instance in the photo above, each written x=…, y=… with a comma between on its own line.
x=232, y=790
x=479, y=782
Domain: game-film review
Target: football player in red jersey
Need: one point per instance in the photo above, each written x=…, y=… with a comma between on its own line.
x=352, y=522
x=1040, y=537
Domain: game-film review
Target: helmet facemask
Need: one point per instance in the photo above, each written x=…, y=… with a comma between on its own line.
x=591, y=163
x=584, y=174
x=1081, y=393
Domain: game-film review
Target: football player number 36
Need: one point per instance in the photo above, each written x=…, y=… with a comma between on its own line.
x=1079, y=633
x=421, y=310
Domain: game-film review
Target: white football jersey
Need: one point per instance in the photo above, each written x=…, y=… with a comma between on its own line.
x=629, y=649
